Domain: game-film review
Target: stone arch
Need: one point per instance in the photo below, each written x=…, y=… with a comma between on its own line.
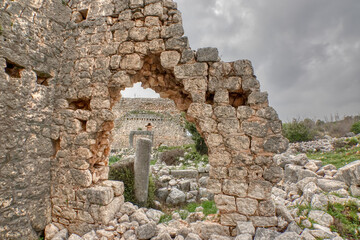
x=123, y=42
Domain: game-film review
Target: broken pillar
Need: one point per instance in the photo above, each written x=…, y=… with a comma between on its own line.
x=142, y=169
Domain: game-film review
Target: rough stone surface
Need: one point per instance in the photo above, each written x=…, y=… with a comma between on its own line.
x=57, y=94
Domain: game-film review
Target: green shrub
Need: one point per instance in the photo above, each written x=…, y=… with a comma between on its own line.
x=297, y=132
x=355, y=128
x=126, y=175
x=200, y=144
x=114, y=159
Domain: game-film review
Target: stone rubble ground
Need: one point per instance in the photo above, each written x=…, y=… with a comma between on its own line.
x=304, y=182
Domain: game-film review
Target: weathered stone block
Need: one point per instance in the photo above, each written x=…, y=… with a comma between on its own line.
x=131, y=62
x=154, y=9
x=191, y=70
x=243, y=68
x=207, y=55
x=264, y=221
x=246, y=206
x=169, y=59
x=260, y=189
x=100, y=195
x=243, y=227
x=172, y=31
x=230, y=219
x=235, y=187
x=82, y=177
x=225, y=204
x=276, y=144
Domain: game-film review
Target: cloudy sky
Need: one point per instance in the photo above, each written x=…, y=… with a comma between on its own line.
x=306, y=53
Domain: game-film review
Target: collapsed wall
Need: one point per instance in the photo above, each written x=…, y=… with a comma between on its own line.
x=58, y=111
x=132, y=114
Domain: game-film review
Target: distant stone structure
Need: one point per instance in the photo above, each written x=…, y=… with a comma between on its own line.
x=62, y=67
x=134, y=114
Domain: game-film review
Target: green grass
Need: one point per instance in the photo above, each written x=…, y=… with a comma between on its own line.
x=114, y=159
x=346, y=222
x=209, y=207
x=339, y=157
x=165, y=218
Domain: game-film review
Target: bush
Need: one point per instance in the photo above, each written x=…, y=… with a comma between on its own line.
x=297, y=132
x=200, y=144
x=355, y=128
x=124, y=171
x=171, y=157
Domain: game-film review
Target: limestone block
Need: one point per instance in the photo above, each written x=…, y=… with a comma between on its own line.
x=154, y=34
x=141, y=47
x=264, y=221
x=229, y=126
x=154, y=9
x=276, y=126
x=230, y=219
x=191, y=70
x=243, y=68
x=289, y=235
x=146, y=231
x=259, y=189
x=246, y=206
x=174, y=30
x=75, y=237
x=350, y=173
x=355, y=190
x=225, y=204
x=217, y=159
x=157, y=45
x=255, y=129
x=245, y=236
x=328, y=185
x=151, y=21
x=221, y=96
x=169, y=59
x=214, y=186
x=276, y=144
x=214, y=140
x=50, y=231
x=235, y=187
x=250, y=84
x=238, y=143
x=107, y=213
x=180, y=43
x=136, y=3
x=206, y=229
x=121, y=78
x=208, y=125
x=126, y=48
x=243, y=227
x=131, y=62
x=258, y=98
x=99, y=103
x=100, y=9
x=239, y=173
x=274, y=174
x=100, y=195
x=225, y=112
x=321, y=217
x=81, y=177
x=207, y=55
x=267, y=113
x=265, y=234
x=117, y=186
x=267, y=208
x=139, y=216
x=200, y=110
x=176, y=197
x=184, y=173
x=138, y=33
x=218, y=172
x=82, y=114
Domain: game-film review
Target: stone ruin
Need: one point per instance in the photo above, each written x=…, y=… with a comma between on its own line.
x=133, y=114
x=62, y=67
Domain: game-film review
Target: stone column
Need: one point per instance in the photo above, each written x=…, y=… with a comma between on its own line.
x=141, y=169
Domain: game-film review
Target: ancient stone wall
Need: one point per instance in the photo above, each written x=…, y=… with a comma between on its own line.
x=135, y=113
x=31, y=39
x=105, y=47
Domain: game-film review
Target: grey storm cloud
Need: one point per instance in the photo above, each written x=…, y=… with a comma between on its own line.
x=305, y=53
